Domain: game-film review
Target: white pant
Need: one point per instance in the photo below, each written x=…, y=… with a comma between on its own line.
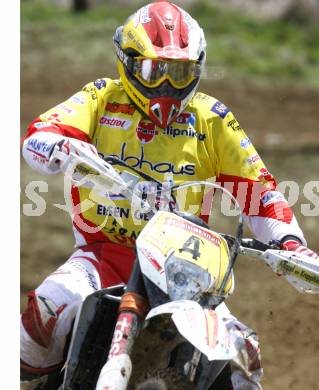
x=52, y=308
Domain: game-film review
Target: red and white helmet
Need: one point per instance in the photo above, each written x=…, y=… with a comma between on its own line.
x=161, y=53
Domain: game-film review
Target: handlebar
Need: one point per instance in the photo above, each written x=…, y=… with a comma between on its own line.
x=85, y=168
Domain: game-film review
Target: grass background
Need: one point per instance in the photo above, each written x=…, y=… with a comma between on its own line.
x=283, y=51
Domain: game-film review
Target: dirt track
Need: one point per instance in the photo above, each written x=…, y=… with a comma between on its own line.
x=286, y=321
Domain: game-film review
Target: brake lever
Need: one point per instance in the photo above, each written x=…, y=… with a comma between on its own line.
x=255, y=248
x=252, y=243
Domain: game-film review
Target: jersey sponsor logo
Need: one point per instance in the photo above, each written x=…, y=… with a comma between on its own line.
x=41, y=125
x=186, y=117
x=118, y=123
x=234, y=125
x=39, y=146
x=245, y=143
x=162, y=167
x=186, y=132
x=272, y=197
x=201, y=97
x=120, y=234
x=146, y=131
x=220, y=109
x=55, y=116
x=265, y=175
x=77, y=99
x=67, y=109
x=120, y=212
x=253, y=159
x=122, y=108
x=112, y=211
x=100, y=83
x=91, y=91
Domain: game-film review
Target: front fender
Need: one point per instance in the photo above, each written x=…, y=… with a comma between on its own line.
x=203, y=328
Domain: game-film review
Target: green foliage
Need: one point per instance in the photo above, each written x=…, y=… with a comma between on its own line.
x=240, y=46
x=279, y=50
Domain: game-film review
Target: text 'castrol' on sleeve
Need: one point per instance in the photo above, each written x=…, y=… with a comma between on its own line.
x=74, y=118
x=241, y=170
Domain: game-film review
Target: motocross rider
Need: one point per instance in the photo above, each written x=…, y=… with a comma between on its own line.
x=153, y=119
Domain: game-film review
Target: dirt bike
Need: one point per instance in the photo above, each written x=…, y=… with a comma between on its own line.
x=164, y=329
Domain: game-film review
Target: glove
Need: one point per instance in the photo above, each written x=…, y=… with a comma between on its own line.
x=37, y=150
x=295, y=246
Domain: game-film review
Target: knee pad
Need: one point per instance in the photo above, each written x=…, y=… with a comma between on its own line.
x=40, y=318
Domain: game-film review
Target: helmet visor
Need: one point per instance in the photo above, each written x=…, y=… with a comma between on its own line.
x=152, y=73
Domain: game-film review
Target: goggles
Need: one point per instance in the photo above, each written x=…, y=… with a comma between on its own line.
x=152, y=73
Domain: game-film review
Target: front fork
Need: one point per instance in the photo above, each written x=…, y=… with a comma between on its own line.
x=116, y=372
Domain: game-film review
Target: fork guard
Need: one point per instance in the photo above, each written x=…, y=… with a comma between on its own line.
x=91, y=338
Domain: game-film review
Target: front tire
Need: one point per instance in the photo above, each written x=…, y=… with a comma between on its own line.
x=164, y=379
